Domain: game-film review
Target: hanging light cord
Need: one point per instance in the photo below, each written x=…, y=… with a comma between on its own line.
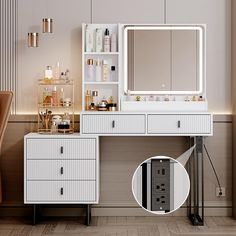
x=218, y=181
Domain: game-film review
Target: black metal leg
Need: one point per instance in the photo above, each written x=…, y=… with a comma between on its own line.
x=197, y=184
x=34, y=214
x=88, y=214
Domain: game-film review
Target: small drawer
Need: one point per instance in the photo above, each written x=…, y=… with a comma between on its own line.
x=180, y=124
x=59, y=148
x=113, y=124
x=61, y=169
x=61, y=191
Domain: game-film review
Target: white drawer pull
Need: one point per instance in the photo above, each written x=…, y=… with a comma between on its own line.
x=113, y=124
x=178, y=123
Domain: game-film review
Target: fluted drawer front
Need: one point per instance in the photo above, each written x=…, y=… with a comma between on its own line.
x=61, y=191
x=113, y=124
x=61, y=170
x=179, y=124
x=47, y=148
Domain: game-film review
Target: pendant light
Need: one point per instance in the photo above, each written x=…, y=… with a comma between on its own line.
x=47, y=25
x=33, y=39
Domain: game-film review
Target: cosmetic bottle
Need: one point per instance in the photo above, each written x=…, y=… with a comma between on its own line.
x=105, y=70
x=54, y=127
x=98, y=40
x=107, y=41
x=113, y=43
x=57, y=72
x=62, y=76
x=88, y=100
x=89, y=39
x=48, y=73
x=61, y=96
x=98, y=71
x=113, y=73
x=55, y=96
x=46, y=93
x=90, y=70
x=95, y=97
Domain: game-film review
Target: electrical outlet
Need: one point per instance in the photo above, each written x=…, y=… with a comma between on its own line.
x=222, y=192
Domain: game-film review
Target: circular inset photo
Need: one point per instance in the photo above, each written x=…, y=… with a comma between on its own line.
x=160, y=185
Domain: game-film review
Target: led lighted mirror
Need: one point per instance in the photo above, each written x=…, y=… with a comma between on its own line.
x=164, y=59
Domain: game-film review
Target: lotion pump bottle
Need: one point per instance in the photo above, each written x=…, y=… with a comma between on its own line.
x=107, y=41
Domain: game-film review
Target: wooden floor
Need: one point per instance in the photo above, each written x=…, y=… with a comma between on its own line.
x=118, y=226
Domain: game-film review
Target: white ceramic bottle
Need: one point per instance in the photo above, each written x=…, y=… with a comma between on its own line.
x=48, y=73
x=89, y=39
x=98, y=40
x=98, y=71
x=107, y=42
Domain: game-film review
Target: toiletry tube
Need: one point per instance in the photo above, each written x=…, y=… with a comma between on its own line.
x=113, y=43
x=90, y=70
x=89, y=39
x=98, y=71
x=107, y=41
x=98, y=40
x=105, y=71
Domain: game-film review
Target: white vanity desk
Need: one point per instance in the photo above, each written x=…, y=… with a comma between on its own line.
x=196, y=125
x=174, y=117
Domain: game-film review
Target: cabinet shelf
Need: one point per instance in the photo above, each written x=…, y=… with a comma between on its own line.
x=63, y=82
x=101, y=53
x=46, y=105
x=102, y=83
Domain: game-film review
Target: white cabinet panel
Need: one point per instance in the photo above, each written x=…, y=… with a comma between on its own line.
x=61, y=191
x=132, y=11
x=113, y=124
x=61, y=170
x=48, y=148
x=180, y=124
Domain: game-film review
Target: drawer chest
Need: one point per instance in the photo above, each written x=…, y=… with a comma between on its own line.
x=61, y=169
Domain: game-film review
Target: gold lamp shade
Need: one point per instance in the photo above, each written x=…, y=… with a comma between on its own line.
x=47, y=25
x=33, y=39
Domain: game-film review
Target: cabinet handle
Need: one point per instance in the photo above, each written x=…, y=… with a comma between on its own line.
x=178, y=123
x=61, y=170
x=61, y=191
x=61, y=149
x=113, y=124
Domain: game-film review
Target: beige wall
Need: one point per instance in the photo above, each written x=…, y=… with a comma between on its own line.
x=65, y=43
x=233, y=64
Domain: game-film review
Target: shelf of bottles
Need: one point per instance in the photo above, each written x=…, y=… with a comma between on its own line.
x=100, y=58
x=56, y=106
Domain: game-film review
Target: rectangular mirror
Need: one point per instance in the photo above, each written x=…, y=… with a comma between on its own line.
x=163, y=59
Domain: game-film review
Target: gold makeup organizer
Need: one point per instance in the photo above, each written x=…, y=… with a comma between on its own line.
x=56, y=106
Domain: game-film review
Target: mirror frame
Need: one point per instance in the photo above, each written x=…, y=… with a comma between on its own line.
x=201, y=59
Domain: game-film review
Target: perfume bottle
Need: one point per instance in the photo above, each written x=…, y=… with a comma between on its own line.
x=88, y=99
x=90, y=71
